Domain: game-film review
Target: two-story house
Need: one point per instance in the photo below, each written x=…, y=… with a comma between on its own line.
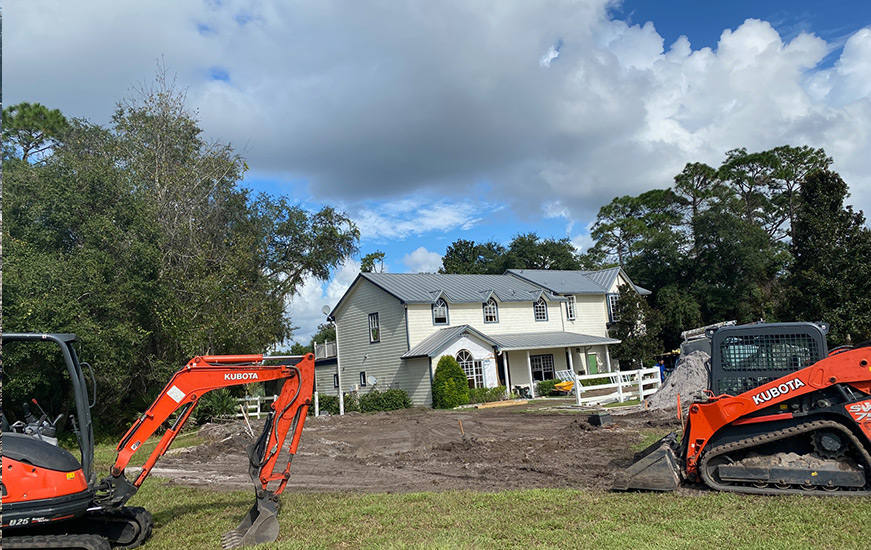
x=512, y=329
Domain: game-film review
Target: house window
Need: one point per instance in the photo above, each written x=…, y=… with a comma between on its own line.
x=474, y=369
x=491, y=311
x=571, y=314
x=612, y=306
x=336, y=380
x=440, y=312
x=542, y=367
x=540, y=310
x=362, y=378
x=374, y=328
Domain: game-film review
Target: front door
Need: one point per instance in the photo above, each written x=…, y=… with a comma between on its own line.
x=592, y=364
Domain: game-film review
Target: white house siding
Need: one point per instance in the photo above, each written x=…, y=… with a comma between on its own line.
x=480, y=351
x=380, y=359
x=324, y=379
x=514, y=318
x=591, y=315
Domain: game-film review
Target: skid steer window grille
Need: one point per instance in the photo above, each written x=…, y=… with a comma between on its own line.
x=770, y=352
x=747, y=357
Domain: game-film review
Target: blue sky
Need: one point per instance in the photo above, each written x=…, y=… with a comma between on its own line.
x=429, y=122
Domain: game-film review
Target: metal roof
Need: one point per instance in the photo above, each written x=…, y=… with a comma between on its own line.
x=542, y=340
x=567, y=282
x=426, y=288
x=433, y=344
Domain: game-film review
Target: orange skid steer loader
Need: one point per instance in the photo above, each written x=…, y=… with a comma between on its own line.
x=782, y=416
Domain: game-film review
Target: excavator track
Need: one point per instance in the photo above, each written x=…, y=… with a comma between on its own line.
x=858, y=484
x=100, y=529
x=51, y=542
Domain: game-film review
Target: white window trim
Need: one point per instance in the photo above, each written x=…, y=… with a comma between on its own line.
x=571, y=309
x=612, y=306
x=439, y=304
x=374, y=328
x=536, y=308
x=495, y=308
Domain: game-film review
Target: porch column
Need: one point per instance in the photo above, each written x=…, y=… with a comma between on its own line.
x=607, y=358
x=507, y=373
x=529, y=372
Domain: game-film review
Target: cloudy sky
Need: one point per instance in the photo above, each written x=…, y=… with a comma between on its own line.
x=430, y=121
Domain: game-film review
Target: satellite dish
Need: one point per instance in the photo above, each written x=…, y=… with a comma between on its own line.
x=325, y=310
x=372, y=380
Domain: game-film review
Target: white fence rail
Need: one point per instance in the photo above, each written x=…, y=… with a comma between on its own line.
x=627, y=385
x=255, y=406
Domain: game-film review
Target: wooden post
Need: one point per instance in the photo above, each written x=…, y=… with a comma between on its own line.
x=529, y=372
x=640, y=386
x=620, y=386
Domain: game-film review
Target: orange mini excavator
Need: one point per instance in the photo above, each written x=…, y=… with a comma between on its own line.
x=51, y=499
x=783, y=415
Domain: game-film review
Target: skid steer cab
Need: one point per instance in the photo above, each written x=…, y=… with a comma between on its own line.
x=783, y=415
x=52, y=499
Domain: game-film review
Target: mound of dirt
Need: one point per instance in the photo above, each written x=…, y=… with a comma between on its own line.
x=689, y=380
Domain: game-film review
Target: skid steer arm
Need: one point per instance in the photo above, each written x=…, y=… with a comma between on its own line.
x=184, y=390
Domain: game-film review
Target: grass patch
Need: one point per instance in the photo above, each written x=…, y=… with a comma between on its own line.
x=629, y=403
x=551, y=518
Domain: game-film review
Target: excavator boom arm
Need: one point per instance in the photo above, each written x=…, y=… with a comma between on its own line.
x=206, y=373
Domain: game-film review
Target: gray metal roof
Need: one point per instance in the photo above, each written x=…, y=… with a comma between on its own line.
x=433, y=344
x=542, y=340
x=574, y=282
x=426, y=288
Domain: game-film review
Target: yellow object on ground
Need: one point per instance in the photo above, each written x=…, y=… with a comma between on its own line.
x=565, y=386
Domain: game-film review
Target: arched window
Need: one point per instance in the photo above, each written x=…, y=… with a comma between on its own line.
x=540, y=310
x=440, y=312
x=474, y=369
x=491, y=311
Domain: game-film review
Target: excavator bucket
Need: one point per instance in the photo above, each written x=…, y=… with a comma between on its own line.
x=260, y=525
x=655, y=468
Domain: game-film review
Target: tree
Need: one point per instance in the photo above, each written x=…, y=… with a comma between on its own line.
x=140, y=238
x=468, y=257
x=529, y=251
x=828, y=278
x=372, y=263
x=637, y=327
x=31, y=131
x=450, y=387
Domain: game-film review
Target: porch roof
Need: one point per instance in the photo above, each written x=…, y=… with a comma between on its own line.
x=543, y=340
x=433, y=344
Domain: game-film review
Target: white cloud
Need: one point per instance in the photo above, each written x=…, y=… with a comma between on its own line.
x=409, y=217
x=306, y=307
x=422, y=261
x=380, y=102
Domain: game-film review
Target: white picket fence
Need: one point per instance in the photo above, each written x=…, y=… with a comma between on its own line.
x=627, y=385
x=254, y=406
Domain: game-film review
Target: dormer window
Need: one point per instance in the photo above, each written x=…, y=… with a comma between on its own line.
x=491, y=311
x=540, y=310
x=440, y=312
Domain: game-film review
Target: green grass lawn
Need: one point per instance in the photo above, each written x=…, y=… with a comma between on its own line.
x=542, y=518
x=192, y=518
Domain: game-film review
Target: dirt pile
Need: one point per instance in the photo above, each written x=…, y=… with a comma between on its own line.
x=689, y=380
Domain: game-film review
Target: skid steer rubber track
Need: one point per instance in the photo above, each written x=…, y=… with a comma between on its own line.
x=52, y=542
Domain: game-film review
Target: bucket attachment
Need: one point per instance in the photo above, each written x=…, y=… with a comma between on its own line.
x=656, y=468
x=259, y=526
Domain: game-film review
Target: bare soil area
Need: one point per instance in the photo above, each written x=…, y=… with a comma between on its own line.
x=523, y=446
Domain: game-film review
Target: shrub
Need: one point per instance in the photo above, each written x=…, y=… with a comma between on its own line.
x=450, y=387
x=388, y=400
x=595, y=382
x=486, y=395
x=216, y=404
x=330, y=404
x=546, y=387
